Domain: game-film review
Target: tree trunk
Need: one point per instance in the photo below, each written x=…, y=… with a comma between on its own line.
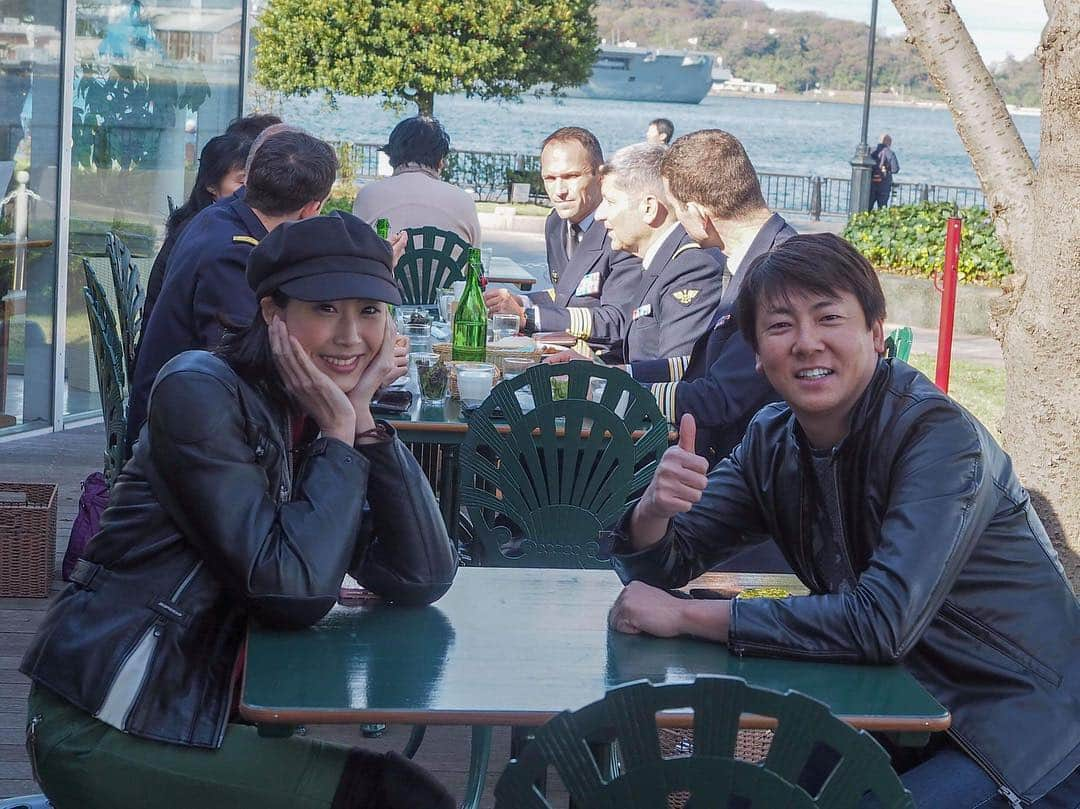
x=1037, y=217
x=425, y=103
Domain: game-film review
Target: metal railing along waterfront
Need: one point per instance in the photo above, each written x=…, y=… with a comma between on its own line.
x=488, y=175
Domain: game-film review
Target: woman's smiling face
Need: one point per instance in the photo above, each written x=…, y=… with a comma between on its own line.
x=341, y=337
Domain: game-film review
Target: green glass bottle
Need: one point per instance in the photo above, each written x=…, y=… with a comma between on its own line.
x=470, y=320
x=382, y=227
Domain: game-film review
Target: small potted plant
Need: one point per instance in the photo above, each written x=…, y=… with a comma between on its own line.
x=433, y=377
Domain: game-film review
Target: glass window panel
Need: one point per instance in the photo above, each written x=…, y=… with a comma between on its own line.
x=153, y=83
x=30, y=50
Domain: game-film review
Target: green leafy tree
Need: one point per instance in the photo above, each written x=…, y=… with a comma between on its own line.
x=409, y=50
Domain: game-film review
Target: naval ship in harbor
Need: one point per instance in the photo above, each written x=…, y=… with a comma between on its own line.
x=647, y=74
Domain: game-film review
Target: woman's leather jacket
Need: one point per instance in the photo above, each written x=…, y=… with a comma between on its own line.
x=211, y=524
x=952, y=573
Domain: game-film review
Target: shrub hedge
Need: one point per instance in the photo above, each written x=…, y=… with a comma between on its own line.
x=910, y=240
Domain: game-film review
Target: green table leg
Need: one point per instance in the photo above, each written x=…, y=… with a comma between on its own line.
x=416, y=737
x=448, y=490
x=479, y=755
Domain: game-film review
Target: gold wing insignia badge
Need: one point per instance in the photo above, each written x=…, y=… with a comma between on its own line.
x=685, y=296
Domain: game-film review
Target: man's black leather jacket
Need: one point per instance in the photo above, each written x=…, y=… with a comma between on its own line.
x=210, y=524
x=953, y=574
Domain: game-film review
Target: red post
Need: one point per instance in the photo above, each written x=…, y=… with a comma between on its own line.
x=948, y=303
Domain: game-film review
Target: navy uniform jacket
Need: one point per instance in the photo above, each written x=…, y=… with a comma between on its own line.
x=720, y=385
x=204, y=280
x=678, y=295
x=593, y=291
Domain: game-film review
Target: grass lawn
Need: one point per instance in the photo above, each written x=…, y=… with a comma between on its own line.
x=979, y=388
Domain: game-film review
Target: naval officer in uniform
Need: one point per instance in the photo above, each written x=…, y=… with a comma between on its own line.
x=592, y=282
x=680, y=284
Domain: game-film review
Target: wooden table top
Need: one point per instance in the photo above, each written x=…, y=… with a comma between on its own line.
x=515, y=647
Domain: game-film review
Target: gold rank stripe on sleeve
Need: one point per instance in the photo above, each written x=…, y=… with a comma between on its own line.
x=580, y=322
x=246, y=240
x=551, y=292
x=664, y=392
x=583, y=348
x=677, y=367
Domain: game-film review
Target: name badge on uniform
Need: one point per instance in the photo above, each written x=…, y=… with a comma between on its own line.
x=590, y=285
x=642, y=311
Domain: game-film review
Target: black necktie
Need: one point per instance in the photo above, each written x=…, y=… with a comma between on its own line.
x=573, y=237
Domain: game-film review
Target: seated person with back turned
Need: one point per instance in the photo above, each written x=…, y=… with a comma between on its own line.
x=261, y=478
x=904, y=518
x=593, y=282
x=680, y=283
x=416, y=196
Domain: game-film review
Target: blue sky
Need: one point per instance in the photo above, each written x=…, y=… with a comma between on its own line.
x=997, y=26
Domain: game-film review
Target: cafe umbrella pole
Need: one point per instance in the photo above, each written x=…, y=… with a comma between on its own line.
x=948, y=302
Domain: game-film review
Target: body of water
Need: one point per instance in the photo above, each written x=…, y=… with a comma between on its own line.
x=788, y=137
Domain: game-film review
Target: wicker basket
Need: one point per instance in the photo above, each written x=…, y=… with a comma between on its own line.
x=751, y=746
x=494, y=355
x=27, y=539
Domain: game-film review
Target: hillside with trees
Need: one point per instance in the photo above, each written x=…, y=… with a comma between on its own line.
x=799, y=51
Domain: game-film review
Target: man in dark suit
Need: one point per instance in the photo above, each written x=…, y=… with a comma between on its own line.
x=592, y=282
x=680, y=283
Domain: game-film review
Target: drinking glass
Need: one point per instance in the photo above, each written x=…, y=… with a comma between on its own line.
x=504, y=326
x=474, y=381
x=419, y=335
x=444, y=297
x=432, y=376
x=513, y=366
x=486, y=255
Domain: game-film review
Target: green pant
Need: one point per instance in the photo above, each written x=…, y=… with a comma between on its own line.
x=82, y=763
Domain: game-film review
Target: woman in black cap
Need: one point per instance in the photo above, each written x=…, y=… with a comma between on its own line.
x=263, y=479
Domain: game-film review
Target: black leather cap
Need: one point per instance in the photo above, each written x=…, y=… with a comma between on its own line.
x=324, y=258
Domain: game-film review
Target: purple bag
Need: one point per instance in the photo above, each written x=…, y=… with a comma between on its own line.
x=95, y=496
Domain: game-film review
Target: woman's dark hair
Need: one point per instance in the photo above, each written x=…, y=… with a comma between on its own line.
x=247, y=350
x=815, y=264
x=418, y=140
x=219, y=156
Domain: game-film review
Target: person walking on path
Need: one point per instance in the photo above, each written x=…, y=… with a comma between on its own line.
x=886, y=165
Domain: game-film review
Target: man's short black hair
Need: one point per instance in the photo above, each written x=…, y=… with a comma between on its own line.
x=815, y=264
x=290, y=169
x=664, y=127
x=251, y=126
x=419, y=140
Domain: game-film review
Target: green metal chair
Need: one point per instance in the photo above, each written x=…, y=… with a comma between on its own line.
x=433, y=259
x=898, y=343
x=548, y=492
x=710, y=775
x=129, y=297
x=109, y=357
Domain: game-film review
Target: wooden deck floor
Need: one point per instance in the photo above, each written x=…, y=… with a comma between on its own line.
x=67, y=458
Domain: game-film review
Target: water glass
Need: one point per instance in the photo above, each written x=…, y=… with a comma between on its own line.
x=419, y=335
x=433, y=377
x=504, y=326
x=445, y=297
x=513, y=366
x=486, y=255
x=474, y=381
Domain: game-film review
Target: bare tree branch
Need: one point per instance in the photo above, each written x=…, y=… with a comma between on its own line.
x=1001, y=160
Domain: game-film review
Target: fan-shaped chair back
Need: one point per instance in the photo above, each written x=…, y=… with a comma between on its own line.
x=547, y=491
x=433, y=259
x=710, y=776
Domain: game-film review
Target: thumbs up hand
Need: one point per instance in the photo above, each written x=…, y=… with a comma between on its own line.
x=679, y=480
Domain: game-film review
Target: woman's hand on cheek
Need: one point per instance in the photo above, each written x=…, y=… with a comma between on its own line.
x=401, y=360
x=380, y=367
x=314, y=393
